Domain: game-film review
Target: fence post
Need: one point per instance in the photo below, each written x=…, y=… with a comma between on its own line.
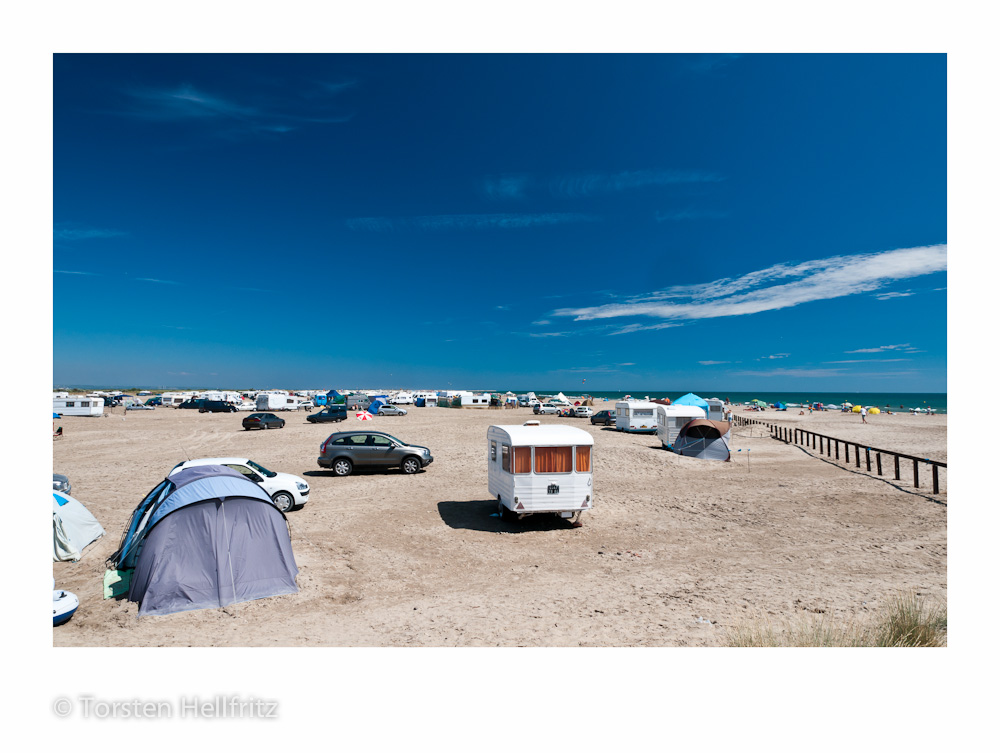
x=836, y=450
x=868, y=458
x=897, y=466
x=934, y=474
x=814, y=441
x=857, y=456
x=916, y=477
x=878, y=462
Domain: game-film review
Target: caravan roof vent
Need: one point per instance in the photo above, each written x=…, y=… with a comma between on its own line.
x=532, y=423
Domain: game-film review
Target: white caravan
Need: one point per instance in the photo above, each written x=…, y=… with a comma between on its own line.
x=273, y=401
x=716, y=409
x=402, y=398
x=534, y=468
x=637, y=416
x=77, y=406
x=671, y=418
x=476, y=401
x=173, y=399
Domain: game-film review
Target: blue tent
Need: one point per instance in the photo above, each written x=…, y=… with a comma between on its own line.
x=335, y=398
x=692, y=399
x=373, y=408
x=780, y=406
x=205, y=537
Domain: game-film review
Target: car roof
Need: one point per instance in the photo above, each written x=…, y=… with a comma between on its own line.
x=206, y=461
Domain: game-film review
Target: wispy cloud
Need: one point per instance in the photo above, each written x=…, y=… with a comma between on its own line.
x=590, y=184
x=548, y=334
x=181, y=373
x=505, y=186
x=776, y=287
x=871, y=360
x=679, y=215
x=542, y=322
x=881, y=348
x=772, y=357
x=628, y=329
x=65, y=232
x=162, y=282
x=71, y=272
x=279, y=114
x=792, y=373
x=713, y=363
x=466, y=221
x=888, y=295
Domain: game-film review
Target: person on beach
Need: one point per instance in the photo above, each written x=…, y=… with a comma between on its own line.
x=864, y=413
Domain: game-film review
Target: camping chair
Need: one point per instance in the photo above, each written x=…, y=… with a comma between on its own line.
x=57, y=434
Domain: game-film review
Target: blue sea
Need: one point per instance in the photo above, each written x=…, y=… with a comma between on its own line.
x=936, y=400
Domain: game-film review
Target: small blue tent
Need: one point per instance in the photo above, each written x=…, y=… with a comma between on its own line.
x=692, y=399
x=334, y=398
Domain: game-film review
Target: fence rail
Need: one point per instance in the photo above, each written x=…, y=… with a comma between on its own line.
x=809, y=439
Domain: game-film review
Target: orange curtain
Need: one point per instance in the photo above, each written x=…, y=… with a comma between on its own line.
x=553, y=459
x=583, y=459
x=522, y=460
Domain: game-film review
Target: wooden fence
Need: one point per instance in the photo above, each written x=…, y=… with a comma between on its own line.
x=809, y=439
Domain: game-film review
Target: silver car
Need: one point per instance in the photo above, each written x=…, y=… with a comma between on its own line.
x=346, y=450
x=391, y=410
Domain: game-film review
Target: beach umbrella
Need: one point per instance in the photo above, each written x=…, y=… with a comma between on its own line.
x=847, y=405
x=856, y=409
x=364, y=416
x=874, y=410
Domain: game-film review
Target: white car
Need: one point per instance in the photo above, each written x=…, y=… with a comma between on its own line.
x=583, y=411
x=288, y=492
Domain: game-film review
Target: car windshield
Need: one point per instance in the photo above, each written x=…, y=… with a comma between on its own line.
x=262, y=469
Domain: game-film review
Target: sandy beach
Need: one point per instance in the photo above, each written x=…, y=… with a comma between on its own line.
x=675, y=551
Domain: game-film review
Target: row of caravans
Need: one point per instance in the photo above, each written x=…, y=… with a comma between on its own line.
x=640, y=416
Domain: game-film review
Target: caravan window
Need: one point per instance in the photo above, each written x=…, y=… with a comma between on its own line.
x=70, y=404
x=583, y=460
x=493, y=451
x=505, y=456
x=522, y=460
x=553, y=459
x=642, y=412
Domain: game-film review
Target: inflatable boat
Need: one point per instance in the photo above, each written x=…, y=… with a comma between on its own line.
x=64, y=604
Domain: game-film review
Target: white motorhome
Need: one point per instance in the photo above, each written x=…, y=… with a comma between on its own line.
x=636, y=416
x=671, y=418
x=402, y=398
x=274, y=401
x=534, y=468
x=78, y=406
x=60, y=395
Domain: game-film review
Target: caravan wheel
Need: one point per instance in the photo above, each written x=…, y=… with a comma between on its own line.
x=506, y=514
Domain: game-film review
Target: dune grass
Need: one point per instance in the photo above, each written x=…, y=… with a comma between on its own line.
x=906, y=621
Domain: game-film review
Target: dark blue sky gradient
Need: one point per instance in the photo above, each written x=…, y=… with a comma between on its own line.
x=420, y=220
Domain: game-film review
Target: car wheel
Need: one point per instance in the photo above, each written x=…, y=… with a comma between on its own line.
x=284, y=501
x=201, y=410
x=281, y=425
x=342, y=467
x=410, y=465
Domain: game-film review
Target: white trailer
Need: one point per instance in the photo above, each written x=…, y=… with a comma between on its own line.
x=671, y=418
x=173, y=399
x=78, y=406
x=636, y=416
x=476, y=401
x=274, y=401
x=534, y=468
x=716, y=409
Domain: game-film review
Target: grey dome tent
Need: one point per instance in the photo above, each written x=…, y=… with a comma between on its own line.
x=73, y=528
x=205, y=537
x=701, y=438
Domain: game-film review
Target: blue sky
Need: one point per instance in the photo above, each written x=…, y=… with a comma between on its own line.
x=655, y=222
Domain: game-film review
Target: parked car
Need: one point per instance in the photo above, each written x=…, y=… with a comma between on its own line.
x=288, y=492
x=216, y=406
x=606, y=417
x=328, y=414
x=545, y=408
x=391, y=410
x=192, y=403
x=583, y=411
x=137, y=406
x=344, y=451
x=60, y=483
x=154, y=401
x=263, y=421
